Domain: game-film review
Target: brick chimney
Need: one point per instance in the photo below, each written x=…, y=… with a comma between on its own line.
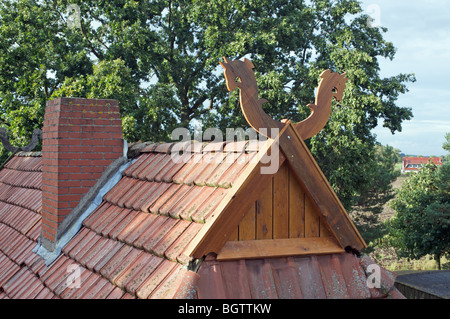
x=81, y=137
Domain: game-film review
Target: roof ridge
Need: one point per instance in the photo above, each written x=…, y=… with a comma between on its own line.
x=29, y=154
x=195, y=146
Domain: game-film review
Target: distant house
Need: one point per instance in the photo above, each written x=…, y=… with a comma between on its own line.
x=413, y=164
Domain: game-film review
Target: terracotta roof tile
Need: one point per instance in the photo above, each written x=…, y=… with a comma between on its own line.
x=7, y=269
x=86, y=240
x=72, y=281
x=128, y=195
x=166, y=173
x=227, y=179
x=117, y=215
x=146, y=268
x=354, y=277
x=189, y=168
x=98, y=247
x=116, y=293
x=170, y=205
x=335, y=276
x=139, y=166
x=236, y=147
x=125, y=187
x=124, y=264
x=214, y=147
x=213, y=161
x=152, y=192
x=150, y=167
x=192, y=206
x=129, y=216
x=191, y=195
x=175, y=251
x=332, y=278
x=134, y=267
x=96, y=214
x=160, y=200
x=131, y=237
x=138, y=218
x=188, y=287
x=87, y=280
x=140, y=161
x=105, y=247
x=168, y=287
x=159, y=234
x=170, y=237
x=108, y=255
x=58, y=272
x=147, y=234
x=158, y=167
x=100, y=290
x=116, y=261
x=17, y=282
x=163, y=148
x=149, y=148
x=45, y=294
x=129, y=199
x=207, y=207
x=151, y=282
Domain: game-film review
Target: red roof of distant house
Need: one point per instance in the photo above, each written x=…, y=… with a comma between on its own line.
x=415, y=163
x=423, y=160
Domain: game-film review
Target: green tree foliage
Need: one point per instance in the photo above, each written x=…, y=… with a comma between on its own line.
x=446, y=146
x=160, y=59
x=376, y=193
x=421, y=225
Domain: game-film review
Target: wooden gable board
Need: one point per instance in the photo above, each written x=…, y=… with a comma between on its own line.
x=251, y=184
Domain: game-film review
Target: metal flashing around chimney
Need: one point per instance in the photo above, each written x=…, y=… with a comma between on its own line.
x=50, y=251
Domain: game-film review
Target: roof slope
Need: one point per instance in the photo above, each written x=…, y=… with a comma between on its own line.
x=335, y=276
x=132, y=244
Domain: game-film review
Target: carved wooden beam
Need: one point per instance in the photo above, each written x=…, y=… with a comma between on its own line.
x=239, y=74
x=37, y=133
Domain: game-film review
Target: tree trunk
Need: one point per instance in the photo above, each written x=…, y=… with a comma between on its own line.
x=437, y=257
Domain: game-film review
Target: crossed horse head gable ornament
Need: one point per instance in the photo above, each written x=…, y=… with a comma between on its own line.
x=239, y=74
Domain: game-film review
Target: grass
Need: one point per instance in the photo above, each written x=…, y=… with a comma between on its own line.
x=387, y=258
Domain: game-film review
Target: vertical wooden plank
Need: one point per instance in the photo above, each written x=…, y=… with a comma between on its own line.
x=234, y=235
x=312, y=219
x=264, y=213
x=281, y=203
x=247, y=227
x=324, y=231
x=296, y=208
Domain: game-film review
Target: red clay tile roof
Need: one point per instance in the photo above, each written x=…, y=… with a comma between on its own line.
x=133, y=241
x=132, y=245
x=422, y=160
x=338, y=276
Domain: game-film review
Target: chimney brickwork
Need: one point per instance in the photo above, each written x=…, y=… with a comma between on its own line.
x=81, y=137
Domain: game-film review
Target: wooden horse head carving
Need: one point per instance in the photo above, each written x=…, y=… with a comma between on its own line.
x=239, y=74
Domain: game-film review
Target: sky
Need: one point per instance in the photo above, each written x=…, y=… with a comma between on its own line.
x=420, y=31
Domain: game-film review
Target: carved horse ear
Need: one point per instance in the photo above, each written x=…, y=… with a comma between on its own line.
x=324, y=73
x=224, y=64
x=249, y=63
